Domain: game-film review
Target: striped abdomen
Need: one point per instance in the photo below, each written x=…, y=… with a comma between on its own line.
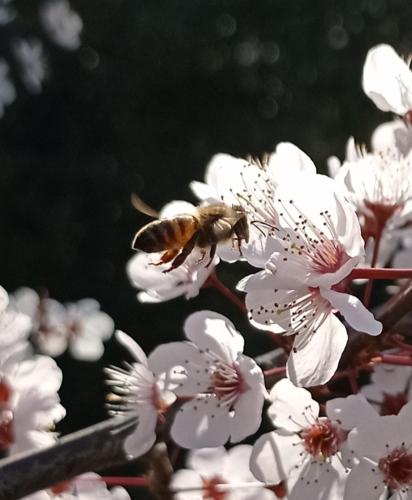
x=165, y=234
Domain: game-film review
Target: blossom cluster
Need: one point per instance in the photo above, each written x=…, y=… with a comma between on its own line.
x=29, y=402
x=315, y=244
x=331, y=418
x=61, y=24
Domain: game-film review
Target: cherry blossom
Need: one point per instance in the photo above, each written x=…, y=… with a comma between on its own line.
x=226, y=387
x=390, y=388
x=62, y=24
x=383, y=447
x=380, y=187
x=79, y=326
x=138, y=391
x=387, y=80
x=392, y=137
x=316, y=245
x=29, y=403
x=156, y=285
x=88, y=486
x=305, y=450
x=32, y=62
x=219, y=474
x=7, y=89
x=252, y=183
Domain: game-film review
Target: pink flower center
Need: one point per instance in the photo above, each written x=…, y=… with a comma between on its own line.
x=211, y=490
x=323, y=438
x=397, y=468
x=227, y=383
x=382, y=212
x=328, y=256
x=392, y=403
x=6, y=416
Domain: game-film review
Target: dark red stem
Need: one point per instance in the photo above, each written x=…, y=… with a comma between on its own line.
x=215, y=282
x=125, y=481
x=379, y=273
x=369, y=285
x=393, y=359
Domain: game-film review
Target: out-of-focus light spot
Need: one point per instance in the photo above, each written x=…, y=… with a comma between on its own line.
x=355, y=22
x=338, y=37
x=308, y=72
x=249, y=82
x=268, y=108
x=270, y=52
x=226, y=25
x=212, y=61
x=333, y=18
x=247, y=53
x=274, y=86
x=376, y=8
x=89, y=58
x=389, y=29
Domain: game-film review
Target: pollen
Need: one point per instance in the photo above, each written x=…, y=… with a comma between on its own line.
x=322, y=439
x=397, y=468
x=227, y=383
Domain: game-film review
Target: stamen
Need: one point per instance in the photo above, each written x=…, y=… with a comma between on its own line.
x=397, y=468
x=323, y=439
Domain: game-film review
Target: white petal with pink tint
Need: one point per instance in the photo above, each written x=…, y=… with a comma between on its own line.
x=274, y=456
x=315, y=362
x=355, y=313
x=290, y=406
x=387, y=80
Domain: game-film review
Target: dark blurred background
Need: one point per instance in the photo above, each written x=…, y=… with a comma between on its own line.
x=155, y=89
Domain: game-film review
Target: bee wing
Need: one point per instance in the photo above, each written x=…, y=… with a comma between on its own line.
x=142, y=207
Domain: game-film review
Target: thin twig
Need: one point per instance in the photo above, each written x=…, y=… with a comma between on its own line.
x=94, y=448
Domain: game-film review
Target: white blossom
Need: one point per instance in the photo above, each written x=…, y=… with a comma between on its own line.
x=305, y=451
x=315, y=246
x=29, y=403
x=252, y=184
x=156, y=285
x=88, y=486
x=383, y=448
x=32, y=62
x=226, y=387
x=62, y=23
x=387, y=80
x=217, y=473
x=79, y=326
x=390, y=388
x=138, y=391
x=7, y=90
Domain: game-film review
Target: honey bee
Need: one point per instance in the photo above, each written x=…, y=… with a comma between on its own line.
x=178, y=236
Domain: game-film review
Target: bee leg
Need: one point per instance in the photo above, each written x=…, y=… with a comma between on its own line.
x=211, y=254
x=166, y=257
x=186, y=250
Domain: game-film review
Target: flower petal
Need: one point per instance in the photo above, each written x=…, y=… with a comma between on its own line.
x=386, y=80
x=132, y=346
x=274, y=456
x=201, y=423
x=351, y=411
x=207, y=461
x=355, y=313
x=317, y=360
x=213, y=332
x=291, y=406
x=248, y=407
x=144, y=436
x=364, y=482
